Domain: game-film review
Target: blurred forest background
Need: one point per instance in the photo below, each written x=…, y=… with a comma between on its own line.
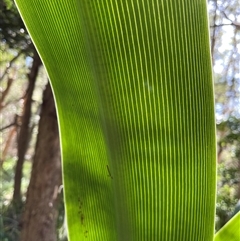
x=31, y=193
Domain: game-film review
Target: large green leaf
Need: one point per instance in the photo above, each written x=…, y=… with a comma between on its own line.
x=133, y=86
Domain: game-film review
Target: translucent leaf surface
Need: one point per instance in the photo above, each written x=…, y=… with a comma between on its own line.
x=230, y=231
x=133, y=86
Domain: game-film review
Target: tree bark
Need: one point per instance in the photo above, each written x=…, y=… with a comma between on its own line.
x=9, y=139
x=5, y=92
x=40, y=215
x=23, y=137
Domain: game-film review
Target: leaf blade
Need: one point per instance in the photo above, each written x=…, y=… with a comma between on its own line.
x=155, y=95
x=230, y=231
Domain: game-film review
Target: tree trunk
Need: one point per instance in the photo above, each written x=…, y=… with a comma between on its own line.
x=9, y=139
x=24, y=129
x=39, y=218
x=5, y=92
